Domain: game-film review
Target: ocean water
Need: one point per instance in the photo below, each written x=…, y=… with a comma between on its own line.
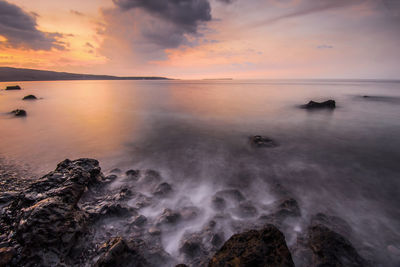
x=344, y=162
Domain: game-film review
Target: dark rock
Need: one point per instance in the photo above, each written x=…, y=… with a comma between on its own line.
x=19, y=113
x=191, y=247
x=334, y=223
x=163, y=190
x=168, y=217
x=45, y=219
x=140, y=220
x=230, y=194
x=15, y=87
x=332, y=249
x=287, y=208
x=217, y=240
x=261, y=141
x=266, y=247
x=151, y=178
x=133, y=174
x=330, y=104
x=117, y=252
x=181, y=265
x=29, y=97
x=218, y=203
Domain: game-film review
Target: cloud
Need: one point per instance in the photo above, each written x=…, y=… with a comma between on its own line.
x=20, y=29
x=186, y=14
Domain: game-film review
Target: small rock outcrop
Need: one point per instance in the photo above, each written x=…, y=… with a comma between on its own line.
x=329, y=104
x=19, y=113
x=332, y=249
x=262, y=141
x=266, y=247
x=15, y=87
x=29, y=97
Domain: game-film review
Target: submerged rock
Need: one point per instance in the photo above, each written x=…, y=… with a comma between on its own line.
x=19, y=113
x=266, y=247
x=29, y=97
x=133, y=174
x=330, y=104
x=332, y=249
x=163, y=190
x=15, y=87
x=231, y=195
x=261, y=141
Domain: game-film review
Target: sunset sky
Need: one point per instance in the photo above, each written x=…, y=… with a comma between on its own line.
x=204, y=38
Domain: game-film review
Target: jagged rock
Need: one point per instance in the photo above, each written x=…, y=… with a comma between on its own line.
x=266, y=247
x=15, y=87
x=332, y=249
x=230, y=194
x=168, y=217
x=19, y=113
x=163, y=190
x=45, y=218
x=261, y=141
x=29, y=97
x=218, y=203
x=140, y=220
x=287, y=208
x=117, y=252
x=330, y=104
x=133, y=174
x=334, y=223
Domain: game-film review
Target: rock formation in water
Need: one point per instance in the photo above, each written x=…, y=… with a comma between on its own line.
x=329, y=104
x=261, y=141
x=15, y=87
x=29, y=97
x=19, y=113
x=70, y=217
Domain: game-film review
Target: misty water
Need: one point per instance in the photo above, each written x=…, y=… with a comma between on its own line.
x=344, y=162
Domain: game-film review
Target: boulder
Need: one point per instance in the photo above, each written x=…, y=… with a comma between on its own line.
x=266, y=247
x=262, y=141
x=329, y=104
x=116, y=170
x=332, y=249
x=163, y=190
x=29, y=97
x=44, y=220
x=15, y=87
x=133, y=174
x=19, y=113
x=168, y=217
x=233, y=195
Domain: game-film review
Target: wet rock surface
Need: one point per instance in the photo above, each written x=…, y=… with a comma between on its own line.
x=14, y=87
x=19, y=113
x=75, y=216
x=329, y=104
x=29, y=97
x=266, y=247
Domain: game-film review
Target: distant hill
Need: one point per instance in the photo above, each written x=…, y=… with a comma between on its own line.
x=15, y=74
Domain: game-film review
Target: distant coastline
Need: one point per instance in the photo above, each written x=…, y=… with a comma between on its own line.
x=8, y=74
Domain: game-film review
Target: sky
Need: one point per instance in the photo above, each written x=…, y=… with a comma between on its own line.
x=196, y=39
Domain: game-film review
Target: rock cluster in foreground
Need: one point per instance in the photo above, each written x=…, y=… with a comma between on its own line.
x=54, y=222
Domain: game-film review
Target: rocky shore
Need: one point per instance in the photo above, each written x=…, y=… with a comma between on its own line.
x=77, y=216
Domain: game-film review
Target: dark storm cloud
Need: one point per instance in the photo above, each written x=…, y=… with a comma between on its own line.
x=186, y=14
x=20, y=29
